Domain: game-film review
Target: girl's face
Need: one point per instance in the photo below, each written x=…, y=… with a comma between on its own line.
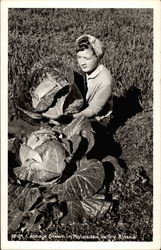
x=87, y=60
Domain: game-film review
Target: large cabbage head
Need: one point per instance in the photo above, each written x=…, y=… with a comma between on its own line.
x=42, y=157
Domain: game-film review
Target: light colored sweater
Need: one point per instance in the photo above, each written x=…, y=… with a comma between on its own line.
x=99, y=93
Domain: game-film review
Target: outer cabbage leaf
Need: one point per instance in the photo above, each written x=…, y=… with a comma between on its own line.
x=30, y=208
x=56, y=111
x=29, y=219
x=75, y=213
x=53, y=93
x=14, y=219
x=118, y=170
x=22, y=197
x=34, y=116
x=56, y=90
x=66, y=104
x=76, y=140
x=80, y=126
x=43, y=95
x=85, y=182
x=35, y=173
x=96, y=207
x=74, y=100
x=16, y=196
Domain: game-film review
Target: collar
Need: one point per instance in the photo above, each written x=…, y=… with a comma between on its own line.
x=94, y=73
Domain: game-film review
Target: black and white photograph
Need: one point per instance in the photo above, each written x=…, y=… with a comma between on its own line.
x=80, y=124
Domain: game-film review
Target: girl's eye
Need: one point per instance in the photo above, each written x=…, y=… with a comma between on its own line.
x=83, y=59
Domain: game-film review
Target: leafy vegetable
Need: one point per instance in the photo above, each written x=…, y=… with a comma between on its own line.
x=43, y=95
x=30, y=222
x=21, y=200
x=44, y=154
x=55, y=159
x=53, y=106
x=27, y=153
x=96, y=207
x=115, y=163
x=56, y=111
x=17, y=196
x=42, y=158
x=30, y=209
x=35, y=173
x=22, y=197
x=74, y=100
x=35, y=116
x=75, y=213
x=56, y=95
x=14, y=219
x=80, y=126
x=32, y=196
x=38, y=137
x=85, y=182
x=68, y=103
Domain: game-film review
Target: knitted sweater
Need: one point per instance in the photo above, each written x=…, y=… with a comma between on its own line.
x=99, y=93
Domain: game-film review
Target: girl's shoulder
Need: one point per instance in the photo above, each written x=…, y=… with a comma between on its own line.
x=105, y=73
x=105, y=70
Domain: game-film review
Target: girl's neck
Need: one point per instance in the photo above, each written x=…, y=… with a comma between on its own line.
x=89, y=73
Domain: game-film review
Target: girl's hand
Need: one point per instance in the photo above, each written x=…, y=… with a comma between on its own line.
x=53, y=122
x=77, y=115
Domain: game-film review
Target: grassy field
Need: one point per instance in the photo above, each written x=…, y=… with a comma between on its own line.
x=50, y=34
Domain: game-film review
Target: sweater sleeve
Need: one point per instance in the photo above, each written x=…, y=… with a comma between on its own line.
x=100, y=99
x=101, y=95
x=98, y=102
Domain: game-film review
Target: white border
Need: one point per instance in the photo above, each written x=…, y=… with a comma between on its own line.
x=155, y=4
x=81, y=3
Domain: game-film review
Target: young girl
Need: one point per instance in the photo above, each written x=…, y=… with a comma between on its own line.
x=98, y=79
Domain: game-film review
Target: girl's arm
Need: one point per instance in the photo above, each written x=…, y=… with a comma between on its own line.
x=86, y=112
x=98, y=102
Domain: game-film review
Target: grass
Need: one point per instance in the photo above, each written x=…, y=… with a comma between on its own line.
x=50, y=34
